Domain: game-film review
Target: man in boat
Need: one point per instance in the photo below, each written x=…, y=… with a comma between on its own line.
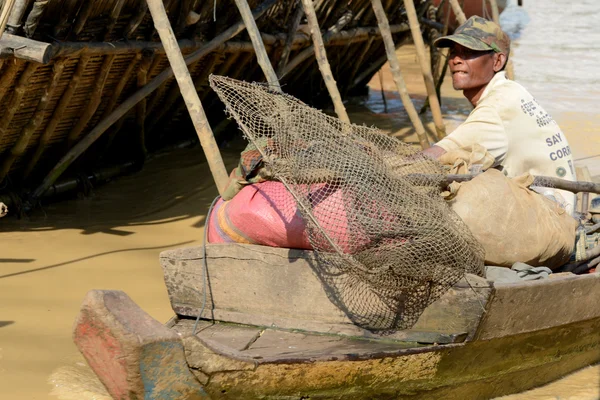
x=520, y=135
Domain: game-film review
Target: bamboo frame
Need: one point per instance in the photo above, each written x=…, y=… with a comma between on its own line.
x=259, y=46
x=94, y=101
x=58, y=113
x=114, y=18
x=434, y=102
x=360, y=59
x=27, y=132
x=82, y=17
x=390, y=49
x=321, y=56
x=184, y=80
x=16, y=98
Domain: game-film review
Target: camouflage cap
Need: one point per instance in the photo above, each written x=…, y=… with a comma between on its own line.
x=478, y=34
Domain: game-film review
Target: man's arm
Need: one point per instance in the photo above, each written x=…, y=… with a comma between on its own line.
x=434, y=152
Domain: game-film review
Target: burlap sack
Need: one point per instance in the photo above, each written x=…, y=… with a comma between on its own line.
x=513, y=223
x=471, y=159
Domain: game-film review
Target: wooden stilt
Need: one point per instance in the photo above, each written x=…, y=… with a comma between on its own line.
x=334, y=31
x=461, y=18
x=287, y=47
x=59, y=110
x=140, y=111
x=259, y=46
x=93, y=103
x=434, y=103
x=360, y=59
x=128, y=104
x=17, y=96
x=207, y=140
x=21, y=145
x=321, y=57
x=16, y=15
x=5, y=15
x=390, y=49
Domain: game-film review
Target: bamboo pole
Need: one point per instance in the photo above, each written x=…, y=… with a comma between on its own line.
x=259, y=46
x=94, y=101
x=390, y=50
x=287, y=47
x=128, y=104
x=16, y=98
x=5, y=15
x=434, y=102
x=184, y=80
x=321, y=56
x=58, y=113
x=461, y=18
x=16, y=16
x=114, y=18
x=20, y=146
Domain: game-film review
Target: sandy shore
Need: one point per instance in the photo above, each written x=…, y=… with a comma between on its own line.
x=112, y=239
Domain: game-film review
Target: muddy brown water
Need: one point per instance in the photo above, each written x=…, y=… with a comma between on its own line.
x=112, y=239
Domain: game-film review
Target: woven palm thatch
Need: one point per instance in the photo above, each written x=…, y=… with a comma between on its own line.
x=68, y=63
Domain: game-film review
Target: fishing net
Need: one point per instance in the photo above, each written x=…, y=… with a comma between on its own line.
x=387, y=244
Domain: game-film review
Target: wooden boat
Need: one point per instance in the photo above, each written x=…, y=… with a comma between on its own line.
x=269, y=330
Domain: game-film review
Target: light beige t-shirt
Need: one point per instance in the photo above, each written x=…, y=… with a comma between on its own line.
x=518, y=132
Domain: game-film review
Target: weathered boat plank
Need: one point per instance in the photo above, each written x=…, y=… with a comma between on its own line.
x=250, y=284
x=536, y=305
x=135, y=356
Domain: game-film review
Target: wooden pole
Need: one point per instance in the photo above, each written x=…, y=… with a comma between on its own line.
x=461, y=18
x=16, y=16
x=5, y=15
x=259, y=46
x=287, y=47
x=184, y=80
x=390, y=49
x=128, y=104
x=510, y=70
x=322, y=61
x=135, y=22
x=434, y=103
x=140, y=111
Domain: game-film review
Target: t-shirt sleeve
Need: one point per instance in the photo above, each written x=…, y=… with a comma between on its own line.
x=483, y=126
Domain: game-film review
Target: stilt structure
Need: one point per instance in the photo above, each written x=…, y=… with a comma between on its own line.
x=324, y=66
x=434, y=103
x=192, y=101
x=390, y=48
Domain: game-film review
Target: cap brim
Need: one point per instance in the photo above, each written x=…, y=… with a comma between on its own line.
x=464, y=40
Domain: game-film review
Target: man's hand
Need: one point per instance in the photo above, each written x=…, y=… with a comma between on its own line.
x=434, y=152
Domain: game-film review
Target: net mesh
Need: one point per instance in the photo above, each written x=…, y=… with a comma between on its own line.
x=387, y=244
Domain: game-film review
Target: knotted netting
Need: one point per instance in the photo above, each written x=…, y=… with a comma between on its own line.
x=387, y=244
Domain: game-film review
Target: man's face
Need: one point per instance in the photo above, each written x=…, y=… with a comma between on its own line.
x=471, y=69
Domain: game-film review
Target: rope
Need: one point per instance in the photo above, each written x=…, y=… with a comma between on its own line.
x=204, y=264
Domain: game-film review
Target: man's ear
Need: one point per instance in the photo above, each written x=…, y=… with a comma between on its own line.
x=499, y=61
